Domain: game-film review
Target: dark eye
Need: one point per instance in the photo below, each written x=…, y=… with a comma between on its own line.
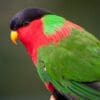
x=25, y=23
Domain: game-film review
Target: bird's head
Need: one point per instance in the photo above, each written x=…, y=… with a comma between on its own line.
x=23, y=19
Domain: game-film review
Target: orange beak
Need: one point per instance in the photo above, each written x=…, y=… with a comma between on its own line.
x=14, y=37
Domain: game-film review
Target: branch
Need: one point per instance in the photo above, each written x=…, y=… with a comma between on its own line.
x=52, y=97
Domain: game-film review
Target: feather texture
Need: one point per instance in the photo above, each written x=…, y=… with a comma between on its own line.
x=72, y=63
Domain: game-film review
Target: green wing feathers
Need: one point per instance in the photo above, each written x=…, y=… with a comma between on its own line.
x=74, y=60
x=71, y=88
x=82, y=91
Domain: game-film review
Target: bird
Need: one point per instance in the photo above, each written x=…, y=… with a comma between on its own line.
x=65, y=55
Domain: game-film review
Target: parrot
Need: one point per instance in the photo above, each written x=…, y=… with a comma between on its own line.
x=65, y=55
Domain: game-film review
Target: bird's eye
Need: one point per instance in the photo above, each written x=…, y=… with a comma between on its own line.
x=25, y=23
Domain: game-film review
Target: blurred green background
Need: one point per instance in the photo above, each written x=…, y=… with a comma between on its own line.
x=18, y=77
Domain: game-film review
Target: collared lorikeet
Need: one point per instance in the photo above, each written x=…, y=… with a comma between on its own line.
x=66, y=56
